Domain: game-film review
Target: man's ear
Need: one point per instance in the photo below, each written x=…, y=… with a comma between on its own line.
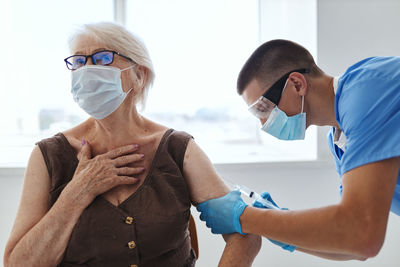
x=299, y=82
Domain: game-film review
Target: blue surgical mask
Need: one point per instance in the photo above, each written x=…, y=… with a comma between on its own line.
x=97, y=89
x=286, y=128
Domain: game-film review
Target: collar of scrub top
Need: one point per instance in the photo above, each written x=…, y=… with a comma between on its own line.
x=270, y=99
x=335, y=83
x=339, y=138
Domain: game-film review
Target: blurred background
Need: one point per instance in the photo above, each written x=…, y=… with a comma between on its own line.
x=197, y=48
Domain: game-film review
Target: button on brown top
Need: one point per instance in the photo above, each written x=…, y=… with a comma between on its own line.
x=132, y=244
x=129, y=220
x=160, y=211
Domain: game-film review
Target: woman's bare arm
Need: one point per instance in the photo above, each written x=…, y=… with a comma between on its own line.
x=204, y=183
x=38, y=231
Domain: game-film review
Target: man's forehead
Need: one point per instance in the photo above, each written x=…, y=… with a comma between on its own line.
x=253, y=91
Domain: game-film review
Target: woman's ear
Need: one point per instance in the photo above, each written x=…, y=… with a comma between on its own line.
x=299, y=82
x=141, y=76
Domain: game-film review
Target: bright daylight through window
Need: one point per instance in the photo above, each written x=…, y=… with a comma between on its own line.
x=197, y=48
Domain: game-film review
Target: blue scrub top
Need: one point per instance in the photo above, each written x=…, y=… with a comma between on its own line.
x=367, y=109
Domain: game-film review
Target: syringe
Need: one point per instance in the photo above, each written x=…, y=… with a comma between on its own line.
x=253, y=195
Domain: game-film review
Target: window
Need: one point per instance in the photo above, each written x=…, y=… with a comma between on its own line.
x=35, y=85
x=197, y=47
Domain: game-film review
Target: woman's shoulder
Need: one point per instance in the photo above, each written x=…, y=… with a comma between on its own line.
x=167, y=133
x=173, y=143
x=62, y=143
x=52, y=143
x=177, y=139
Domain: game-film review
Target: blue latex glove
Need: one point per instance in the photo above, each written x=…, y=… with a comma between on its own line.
x=222, y=214
x=257, y=204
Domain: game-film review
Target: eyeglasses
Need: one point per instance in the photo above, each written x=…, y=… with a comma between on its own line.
x=270, y=99
x=104, y=57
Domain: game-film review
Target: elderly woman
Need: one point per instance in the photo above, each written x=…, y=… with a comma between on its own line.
x=117, y=189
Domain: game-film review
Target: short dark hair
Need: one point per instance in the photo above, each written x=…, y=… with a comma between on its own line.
x=272, y=60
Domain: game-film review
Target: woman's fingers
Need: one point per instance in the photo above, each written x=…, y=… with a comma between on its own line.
x=127, y=159
x=127, y=180
x=117, y=152
x=128, y=171
x=86, y=152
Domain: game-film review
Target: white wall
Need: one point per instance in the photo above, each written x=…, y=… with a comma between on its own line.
x=350, y=30
x=10, y=192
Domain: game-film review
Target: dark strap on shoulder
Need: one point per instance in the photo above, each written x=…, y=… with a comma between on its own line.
x=176, y=143
x=60, y=159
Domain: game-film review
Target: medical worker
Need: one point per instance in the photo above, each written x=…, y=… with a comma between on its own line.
x=288, y=92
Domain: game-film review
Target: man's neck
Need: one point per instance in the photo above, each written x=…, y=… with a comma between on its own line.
x=321, y=102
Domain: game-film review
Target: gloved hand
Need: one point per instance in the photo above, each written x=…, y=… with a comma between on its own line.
x=257, y=204
x=222, y=214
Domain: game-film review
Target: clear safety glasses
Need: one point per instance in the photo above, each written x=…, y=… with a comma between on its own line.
x=104, y=57
x=270, y=99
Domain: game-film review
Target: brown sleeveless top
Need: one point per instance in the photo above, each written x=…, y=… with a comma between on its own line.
x=149, y=228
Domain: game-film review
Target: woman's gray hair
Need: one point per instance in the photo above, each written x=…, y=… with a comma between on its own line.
x=116, y=37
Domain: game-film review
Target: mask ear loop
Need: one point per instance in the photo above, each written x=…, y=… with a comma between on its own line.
x=130, y=67
x=302, y=104
x=127, y=93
